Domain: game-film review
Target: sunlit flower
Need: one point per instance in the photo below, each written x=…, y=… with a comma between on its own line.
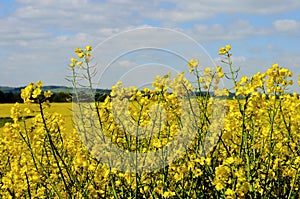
x=80, y=55
x=79, y=63
x=36, y=92
x=224, y=50
x=78, y=50
x=72, y=65
x=88, y=48
x=48, y=94
x=193, y=63
x=73, y=60
x=39, y=83
x=228, y=48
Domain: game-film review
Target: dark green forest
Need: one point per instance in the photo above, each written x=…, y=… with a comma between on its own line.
x=16, y=97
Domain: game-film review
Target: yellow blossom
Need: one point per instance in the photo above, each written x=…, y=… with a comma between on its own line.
x=79, y=63
x=48, y=94
x=73, y=60
x=168, y=194
x=224, y=50
x=80, y=55
x=193, y=63
x=78, y=50
x=228, y=48
x=39, y=83
x=36, y=92
x=72, y=65
x=88, y=48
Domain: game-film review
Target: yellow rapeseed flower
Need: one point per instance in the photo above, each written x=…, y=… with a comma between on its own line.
x=72, y=65
x=79, y=63
x=36, y=92
x=48, y=94
x=229, y=161
x=219, y=69
x=88, y=48
x=193, y=63
x=78, y=50
x=243, y=80
x=27, y=110
x=80, y=55
x=73, y=60
x=168, y=194
x=229, y=192
x=39, y=83
x=228, y=48
x=224, y=50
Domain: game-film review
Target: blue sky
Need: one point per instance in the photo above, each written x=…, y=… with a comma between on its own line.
x=37, y=38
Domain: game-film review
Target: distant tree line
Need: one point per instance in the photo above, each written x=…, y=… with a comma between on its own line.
x=56, y=97
x=16, y=97
x=10, y=97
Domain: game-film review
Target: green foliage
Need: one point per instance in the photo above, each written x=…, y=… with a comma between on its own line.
x=3, y=120
x=61, y=97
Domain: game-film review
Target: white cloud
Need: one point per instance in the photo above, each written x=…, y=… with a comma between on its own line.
x=237, y=30
x=286, y=25
x=40, y=36
x=126, y=63
x=239, y=59
x=186, y=11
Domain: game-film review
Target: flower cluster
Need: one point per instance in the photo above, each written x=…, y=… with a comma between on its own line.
x=33, y=92
x=81, y=54
x=225, y=50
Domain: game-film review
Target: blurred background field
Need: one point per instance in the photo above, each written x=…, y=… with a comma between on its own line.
x=62, y=108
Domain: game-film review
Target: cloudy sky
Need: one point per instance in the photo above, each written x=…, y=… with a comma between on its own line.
x=37, y=38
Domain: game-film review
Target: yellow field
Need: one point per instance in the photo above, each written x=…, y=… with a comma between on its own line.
x=62, y=108
x=5, y=110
